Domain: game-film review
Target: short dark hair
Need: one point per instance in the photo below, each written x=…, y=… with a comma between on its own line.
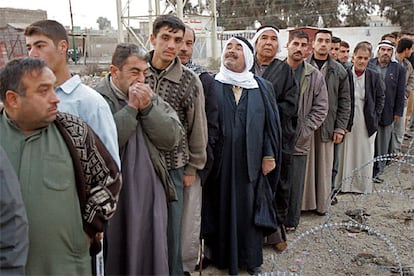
x=404, y=43
x=403, y=33
x=395, y=34
x=344, y=44
x=166, y=20
x=363, y=45
x=50, y=28
x=124, y=50
x=384, y=37
x=336, y=39
x=299, y=34
x=323, y=31
x=12, y=74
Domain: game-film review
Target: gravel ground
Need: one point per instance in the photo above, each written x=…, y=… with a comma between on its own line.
x=361, y=235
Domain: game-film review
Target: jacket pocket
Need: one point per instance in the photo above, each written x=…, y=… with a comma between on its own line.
x=56, y=171
x=303, y=138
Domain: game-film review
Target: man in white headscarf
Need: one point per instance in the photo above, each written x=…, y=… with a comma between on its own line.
x=279, y=73
x=393, y=76
x=246, y=164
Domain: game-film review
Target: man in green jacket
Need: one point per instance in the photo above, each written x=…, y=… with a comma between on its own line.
x=68, y=179
x=146, y=125
x=332, y=131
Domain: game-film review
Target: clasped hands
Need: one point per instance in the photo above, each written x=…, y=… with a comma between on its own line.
x=139, y=95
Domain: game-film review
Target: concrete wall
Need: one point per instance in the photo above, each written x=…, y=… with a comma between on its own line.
x=9, y=15
x=100, y=47
x=352, y=35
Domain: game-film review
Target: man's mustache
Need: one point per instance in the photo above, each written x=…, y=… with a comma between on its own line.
x=231, y=55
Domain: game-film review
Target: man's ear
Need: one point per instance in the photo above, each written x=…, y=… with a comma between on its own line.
x=113, y=70
x=12, y=99
x=63, y=47
x=152, y=39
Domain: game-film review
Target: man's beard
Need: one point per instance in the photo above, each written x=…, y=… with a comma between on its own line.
x=385, y=59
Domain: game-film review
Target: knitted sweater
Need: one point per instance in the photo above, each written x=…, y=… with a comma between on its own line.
x=182, y=89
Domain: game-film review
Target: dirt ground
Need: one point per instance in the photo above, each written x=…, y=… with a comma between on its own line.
x=369, y=234
x=361, y=235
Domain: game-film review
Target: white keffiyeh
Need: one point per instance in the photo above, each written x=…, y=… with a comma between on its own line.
x=386, y=43
x=244, y=79
x=260, y=32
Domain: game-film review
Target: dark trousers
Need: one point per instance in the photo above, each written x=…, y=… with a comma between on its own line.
x=281, y=201
x=335, y=164
x=175, y=210
x=382, y=143
x=296, y=172
x=283, y=189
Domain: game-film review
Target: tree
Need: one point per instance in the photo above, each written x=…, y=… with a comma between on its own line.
x=308, y=12
x=357, y=12
x=240, y=14
x=231, y=15
x=304, y=13
x=104, y=23
x=399, y=12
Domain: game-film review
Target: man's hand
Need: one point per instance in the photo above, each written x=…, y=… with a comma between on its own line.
x=337, y=138
x=188, y=180
x=268, y=166
x=396, y=117
x=98, y=235
x=139, y=95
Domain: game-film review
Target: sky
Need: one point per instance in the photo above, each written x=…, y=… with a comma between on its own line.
x=85, y=12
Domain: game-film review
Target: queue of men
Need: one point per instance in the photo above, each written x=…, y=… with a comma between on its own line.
x=176, y=168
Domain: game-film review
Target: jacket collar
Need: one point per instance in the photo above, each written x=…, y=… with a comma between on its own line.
x=173, y=72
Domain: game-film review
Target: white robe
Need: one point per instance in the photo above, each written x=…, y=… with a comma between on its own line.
x=358, y=149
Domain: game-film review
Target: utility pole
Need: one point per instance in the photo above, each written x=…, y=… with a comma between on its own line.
x=150, y=13
x=180, y=9
x=150, y=19
x=75, y=54
x=154, y=11
x=213, y=29
x=119, y=21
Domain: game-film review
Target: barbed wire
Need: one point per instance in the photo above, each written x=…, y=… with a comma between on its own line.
x=364, y=241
